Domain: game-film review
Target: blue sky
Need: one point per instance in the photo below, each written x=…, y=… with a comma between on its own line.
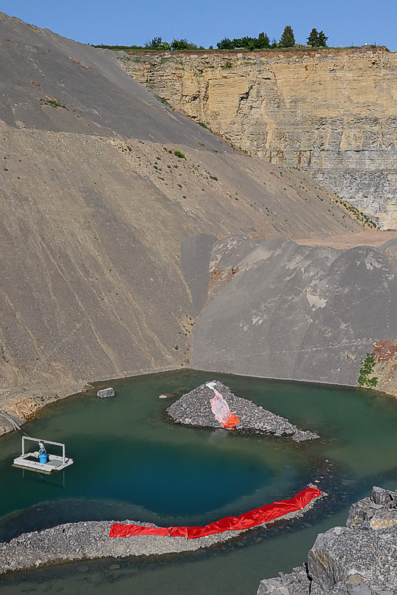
x=208, y=21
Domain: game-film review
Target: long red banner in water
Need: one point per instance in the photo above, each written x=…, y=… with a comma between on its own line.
x=265, y=514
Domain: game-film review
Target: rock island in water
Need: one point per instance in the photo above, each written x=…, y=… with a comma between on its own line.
x=194, y=409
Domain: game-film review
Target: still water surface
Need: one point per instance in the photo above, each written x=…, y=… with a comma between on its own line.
x=131, y=463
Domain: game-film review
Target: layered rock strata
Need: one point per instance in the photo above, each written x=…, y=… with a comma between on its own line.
x=358, y=559
x=194, y=409
x=332, y=112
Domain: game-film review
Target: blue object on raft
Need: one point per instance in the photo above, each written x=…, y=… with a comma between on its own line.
x=43, y=456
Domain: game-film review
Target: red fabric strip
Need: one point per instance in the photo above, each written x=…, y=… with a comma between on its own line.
x=265, y=514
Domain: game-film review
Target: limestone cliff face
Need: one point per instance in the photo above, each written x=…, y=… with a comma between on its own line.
x=333, y=113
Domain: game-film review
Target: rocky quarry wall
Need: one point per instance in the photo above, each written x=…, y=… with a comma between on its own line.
x=95, y=205
x=358, y=559
x=331, y=112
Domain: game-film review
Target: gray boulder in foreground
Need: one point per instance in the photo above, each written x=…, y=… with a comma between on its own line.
x=194, y=409
x=358, y=559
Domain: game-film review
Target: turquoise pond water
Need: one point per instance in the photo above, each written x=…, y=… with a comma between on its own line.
x=132, y=463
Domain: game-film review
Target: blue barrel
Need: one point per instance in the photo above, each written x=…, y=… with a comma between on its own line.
x=43, y=457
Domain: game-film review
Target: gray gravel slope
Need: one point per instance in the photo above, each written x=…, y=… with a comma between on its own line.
x=93, y=217
x=296, y=312
x=89, y=82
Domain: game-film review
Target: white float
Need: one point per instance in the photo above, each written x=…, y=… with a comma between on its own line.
x=31, y=460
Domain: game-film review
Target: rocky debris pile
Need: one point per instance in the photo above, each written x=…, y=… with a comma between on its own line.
x=379, y=511
x=90, y=540
x=86, y=541
x=359, y=559
x=194, y=409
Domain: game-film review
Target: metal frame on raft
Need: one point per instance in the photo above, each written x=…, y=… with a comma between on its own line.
x=54, y=463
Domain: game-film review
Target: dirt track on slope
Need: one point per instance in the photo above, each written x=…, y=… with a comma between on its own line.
x=339, y=241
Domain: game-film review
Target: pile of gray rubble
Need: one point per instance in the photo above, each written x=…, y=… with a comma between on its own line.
x=358, y=559
x=89, y=540
x=194, y=409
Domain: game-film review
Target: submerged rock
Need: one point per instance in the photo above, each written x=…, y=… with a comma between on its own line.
x=358, y=559
x=106, y=392
x=194, y=409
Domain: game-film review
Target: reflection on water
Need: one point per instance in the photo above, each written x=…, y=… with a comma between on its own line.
x=130, y=462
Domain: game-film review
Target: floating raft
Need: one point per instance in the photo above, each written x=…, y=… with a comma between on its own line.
x=31, y=462
x=249, y=520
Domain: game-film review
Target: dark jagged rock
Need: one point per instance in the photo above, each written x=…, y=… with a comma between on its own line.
x=194, y=409
x=358, y=559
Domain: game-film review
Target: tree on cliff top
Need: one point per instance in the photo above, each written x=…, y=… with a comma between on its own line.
x=225, y=44
x=182, y=44
x=157, y=44
x=263, y=41
x=248, y=43
x=322, y=40
x=287, y=40
x=316, y=39
x=313, y=38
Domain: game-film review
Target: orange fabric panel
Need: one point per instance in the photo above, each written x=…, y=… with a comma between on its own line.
x=248, y=520
x=231, y=422
x=222, y=412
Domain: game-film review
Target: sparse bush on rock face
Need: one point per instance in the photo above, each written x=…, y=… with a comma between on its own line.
x=366, y=370
x=52, y=102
